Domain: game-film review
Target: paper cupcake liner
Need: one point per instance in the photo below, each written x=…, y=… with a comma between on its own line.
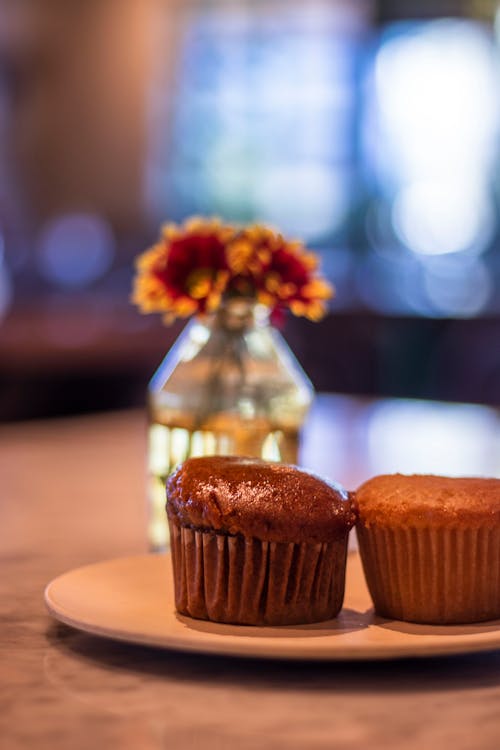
x=438, y=576
x=237, y=579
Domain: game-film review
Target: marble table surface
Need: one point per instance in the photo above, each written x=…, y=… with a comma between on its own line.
x=71, y=493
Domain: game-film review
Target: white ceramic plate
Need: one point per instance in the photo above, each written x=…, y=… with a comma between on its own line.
x=131, y=599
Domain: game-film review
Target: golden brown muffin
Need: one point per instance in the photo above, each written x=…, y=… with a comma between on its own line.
x=256, y=542
x=430, y=547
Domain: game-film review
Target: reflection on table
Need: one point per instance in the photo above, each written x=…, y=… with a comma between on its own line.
x=352, y=439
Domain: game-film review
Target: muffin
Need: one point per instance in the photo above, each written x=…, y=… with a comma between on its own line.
x=430, y=547
x=256, y=543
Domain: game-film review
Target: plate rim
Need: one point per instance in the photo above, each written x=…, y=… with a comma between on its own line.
x=228, y=647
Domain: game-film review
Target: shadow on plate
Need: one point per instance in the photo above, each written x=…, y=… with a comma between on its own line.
x=415, y=628
x=348, y=621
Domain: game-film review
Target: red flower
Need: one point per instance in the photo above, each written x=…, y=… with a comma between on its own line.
x=282, y=272
x=186, y=272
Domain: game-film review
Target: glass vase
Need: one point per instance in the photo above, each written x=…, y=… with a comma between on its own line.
x=230, y=385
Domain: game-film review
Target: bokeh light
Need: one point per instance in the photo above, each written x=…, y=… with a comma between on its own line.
x=458, y=290
x=435, y=89
x=455, y=440
x=434, y=218
x=75, y=250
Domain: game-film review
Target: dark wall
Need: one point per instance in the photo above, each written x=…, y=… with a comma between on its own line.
x=452, y=360
x=455, y=360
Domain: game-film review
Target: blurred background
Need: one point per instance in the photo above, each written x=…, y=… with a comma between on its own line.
x=369, y=128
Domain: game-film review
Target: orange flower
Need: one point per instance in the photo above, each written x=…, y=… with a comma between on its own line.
x=282, y=272
x=186, y=271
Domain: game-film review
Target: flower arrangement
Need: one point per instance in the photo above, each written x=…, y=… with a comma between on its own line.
x=194, y=266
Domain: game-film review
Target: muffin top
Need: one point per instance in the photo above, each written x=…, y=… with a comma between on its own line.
x=425, y=500
x=270, y=501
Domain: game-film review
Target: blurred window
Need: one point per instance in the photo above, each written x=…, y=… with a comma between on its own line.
x=380, y=151
x=264, y=122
